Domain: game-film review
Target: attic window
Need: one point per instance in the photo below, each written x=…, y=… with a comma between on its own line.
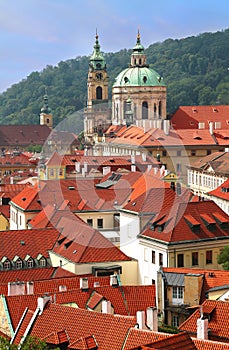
x=22, y=242
x=23, y=199
x=192, y=223
x=133, y=204
x=215, y=110
x=224, y=189
x=71, y=188
x=126, y=79
x=208, y=221
x=60, y=241
x=194, y=110
x=67, y=245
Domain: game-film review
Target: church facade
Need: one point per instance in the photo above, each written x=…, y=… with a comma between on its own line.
x=138, y=95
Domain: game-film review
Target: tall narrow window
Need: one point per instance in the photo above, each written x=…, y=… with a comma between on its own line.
x=209, y=257
x=99, y=93
x=195, y=258
x=144, y=110
x=100, y=223
x=180, y=260
x=159, y=109
x=160, y=259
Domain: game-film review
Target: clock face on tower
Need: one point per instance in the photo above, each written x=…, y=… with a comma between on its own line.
x=99, y=76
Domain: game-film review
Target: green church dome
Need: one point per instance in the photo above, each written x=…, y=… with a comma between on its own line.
x=138, y=76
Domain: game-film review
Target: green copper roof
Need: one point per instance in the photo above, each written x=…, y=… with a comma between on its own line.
x=97, y=60
x=138, y=48
x=138, y=76
x=46, y=109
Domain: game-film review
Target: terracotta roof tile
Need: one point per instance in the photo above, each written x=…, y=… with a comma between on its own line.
x=218, y=323
x=178, y=227
x=23, y=135
x=188, y=117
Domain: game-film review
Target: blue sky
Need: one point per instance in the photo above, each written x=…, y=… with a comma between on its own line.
x=37, y=33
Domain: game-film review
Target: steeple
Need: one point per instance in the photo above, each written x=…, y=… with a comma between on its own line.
x=97, y=60
x=138, y=57
x=46, y=112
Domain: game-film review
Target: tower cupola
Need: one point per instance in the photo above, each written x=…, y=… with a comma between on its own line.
x=138, y=56
x=97, y=61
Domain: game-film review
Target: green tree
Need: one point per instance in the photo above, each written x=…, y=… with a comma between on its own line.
x=223, y=258
x=31, y=343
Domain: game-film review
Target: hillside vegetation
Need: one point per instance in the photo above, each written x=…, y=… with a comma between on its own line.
x=195, y=70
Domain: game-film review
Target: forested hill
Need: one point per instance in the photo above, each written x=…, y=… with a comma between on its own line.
x=195, y=70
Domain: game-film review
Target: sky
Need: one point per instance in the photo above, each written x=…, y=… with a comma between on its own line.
x=37, y=33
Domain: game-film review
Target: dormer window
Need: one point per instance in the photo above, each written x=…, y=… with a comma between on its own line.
x=19, y=264
x=30, y=263
x=42, y=262
x=6, y=265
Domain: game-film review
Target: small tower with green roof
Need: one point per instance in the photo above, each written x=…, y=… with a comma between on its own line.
x=97, y=114
x=46, y=117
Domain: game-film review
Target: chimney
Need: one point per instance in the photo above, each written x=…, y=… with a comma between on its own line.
x=202, y=326
x=84, y=284
x=133, y=168
x=151, y=317
x=42, y=301
x=211, y=128
x=149, y=167
x=133, y=159
x=166, y=126
x=77, y=167
x=106, y=170
x=106, y=307
x=143, y=157
x=16, y=288
x=85, y=167
x=114, y=280
x=30, y=287
x=141, y=321
x=83, y=172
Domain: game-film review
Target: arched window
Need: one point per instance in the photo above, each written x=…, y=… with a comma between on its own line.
x=144, y=110
x=140, y=61
x=6, y=265
x=47, y=120
x=30, y=263
x=99, y=93
x=19, y=264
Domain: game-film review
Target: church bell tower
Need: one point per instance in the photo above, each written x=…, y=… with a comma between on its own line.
x=46, y=113
x=97, y=115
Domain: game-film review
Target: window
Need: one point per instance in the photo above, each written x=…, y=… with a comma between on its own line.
x=19, y=264
x=144, y=110
x=116, y=220
x=177, y=292
x=208, y=152
x=42, y=262
x=60, y=172
x=146, y=254
x=100, y=223
x=159, y=109
x=175, y=321
x=6, y=265
x=193, y=152
x=164, y=153
x=51, y=172
x=20, y=220
x=30, y=263
x=153, y=282
x=178, y=168
x=99, y=93
x=178, y=153
x=209, y=257
x=194, y=258
x=90, y=222
x=153, y=256
x=180, y=260
x=160, y=259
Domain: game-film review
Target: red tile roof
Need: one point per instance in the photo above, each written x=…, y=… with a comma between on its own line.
x=23, y=135
x=18, y=160
x=188, y=117
x=221, y=191
x=209, y=345
x=27, y=199
x=81, y=243
x=178, y=229
x=109, y=331
x=138, y=337
x=5, y=210
x=27, y=242
x=11, y=190
x=218, y=320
